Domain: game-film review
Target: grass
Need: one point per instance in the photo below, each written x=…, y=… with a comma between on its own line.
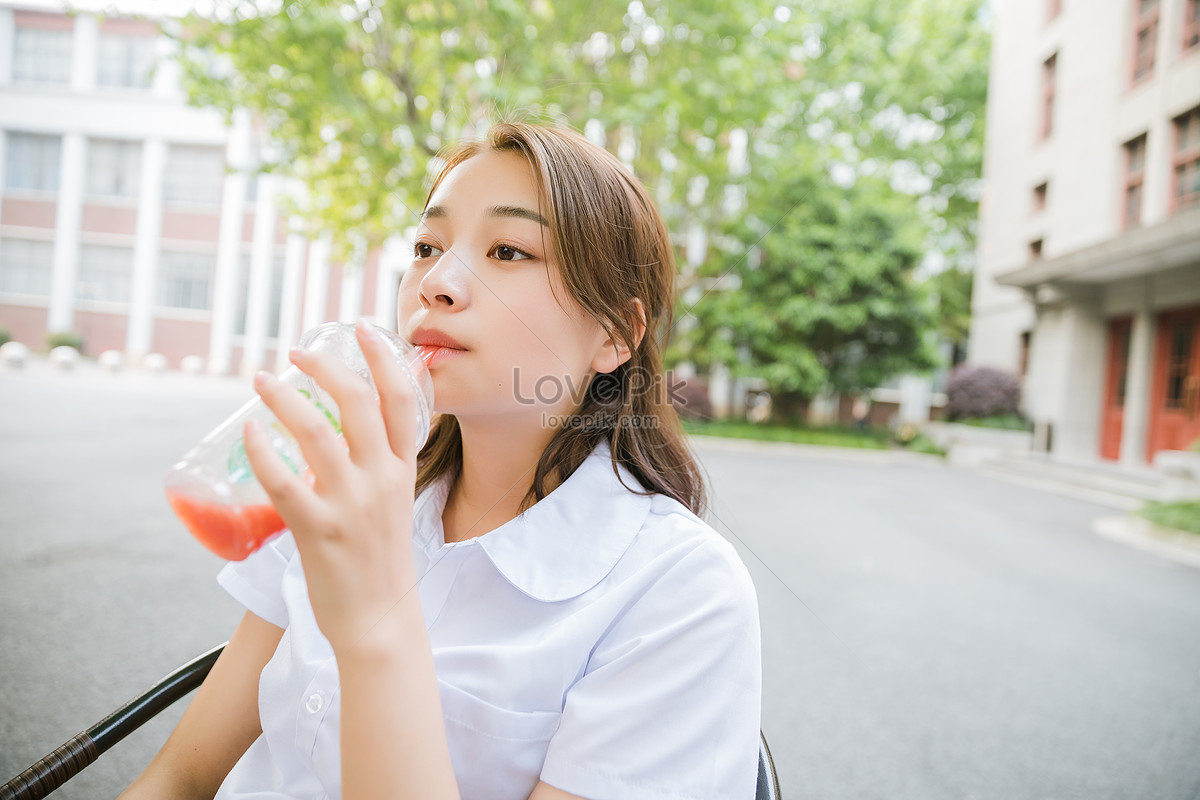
x=1004, y=422
x=1182, y=516
x=828, y=436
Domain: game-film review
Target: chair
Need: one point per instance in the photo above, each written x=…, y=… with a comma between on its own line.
x=84, y=748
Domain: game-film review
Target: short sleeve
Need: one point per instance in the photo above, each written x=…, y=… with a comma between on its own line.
x=257, y=581
x=669, y=705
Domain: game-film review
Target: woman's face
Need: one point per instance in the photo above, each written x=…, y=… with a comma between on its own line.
x=482, y=299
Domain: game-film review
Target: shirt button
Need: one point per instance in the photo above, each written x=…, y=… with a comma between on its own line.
x=313, y=703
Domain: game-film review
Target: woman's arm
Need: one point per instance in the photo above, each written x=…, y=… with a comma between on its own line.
x=219, y=724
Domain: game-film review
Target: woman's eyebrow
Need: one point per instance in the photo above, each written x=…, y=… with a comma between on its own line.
x=435, y=212
x=518, y=211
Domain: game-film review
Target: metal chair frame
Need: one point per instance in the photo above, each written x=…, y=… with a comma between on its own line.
x=82, y=749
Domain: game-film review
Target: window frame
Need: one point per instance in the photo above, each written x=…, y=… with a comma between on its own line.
x=1190, y=26
x=24, y=54
x=1049, y=81
x=1134, y=179
x=1182, y=158
x=127, y=164
x=36, y=159
x=1144, y=21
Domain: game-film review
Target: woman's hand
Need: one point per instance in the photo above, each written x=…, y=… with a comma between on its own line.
x=353, y=525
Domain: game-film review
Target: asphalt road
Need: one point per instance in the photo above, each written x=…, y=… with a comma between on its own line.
x=929, y=633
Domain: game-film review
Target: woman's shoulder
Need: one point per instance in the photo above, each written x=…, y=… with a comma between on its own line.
x=681, y=548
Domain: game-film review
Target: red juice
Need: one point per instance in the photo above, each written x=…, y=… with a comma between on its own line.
x=231, y=531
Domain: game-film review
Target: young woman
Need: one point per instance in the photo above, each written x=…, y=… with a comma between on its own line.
x=549, y=618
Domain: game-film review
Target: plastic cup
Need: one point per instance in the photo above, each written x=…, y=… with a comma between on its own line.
x=213, y=490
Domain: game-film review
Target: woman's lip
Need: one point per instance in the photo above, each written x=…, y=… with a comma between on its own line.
x=431, y=354
x=431, y=337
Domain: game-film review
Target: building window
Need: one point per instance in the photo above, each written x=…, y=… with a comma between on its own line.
x=41, y=56
x=1187, y=161
x=1145, y=27
x=1035, y=249
x=1023, y=358
x=1191, y=24
x=194, y=174
x=185, y=280
x=26, y=266
x=114, y=168
x=104, y=273
x=123, y=60
x=1039, y=197
x=1049, y=71
x=1179, y=362
x=32, y=162
x=1135, y=169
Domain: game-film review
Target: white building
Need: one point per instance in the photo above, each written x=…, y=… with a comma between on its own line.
x=1088, y=278
x=138, y=222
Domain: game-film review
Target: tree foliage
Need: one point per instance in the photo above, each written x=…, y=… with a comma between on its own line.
x=842, y=138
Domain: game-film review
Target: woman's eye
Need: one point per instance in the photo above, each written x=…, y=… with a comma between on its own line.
x=505, y=252
x=426, y=250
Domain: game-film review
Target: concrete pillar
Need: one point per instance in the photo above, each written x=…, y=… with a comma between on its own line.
x=394, y=256
x=916, y=397
x=1071, y=379
x=3, y=140
x=67, y=216
x=258, y=293
x=1135, y=426
x=350, y=301
x=146, y=249
x=229, y=245
x=289, y=303
x=316, y=284
x=719, y=387
x=83, y=53
x=6, y=46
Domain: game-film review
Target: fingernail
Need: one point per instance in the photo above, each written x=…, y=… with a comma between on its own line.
x=262, y=378
x=367, y=330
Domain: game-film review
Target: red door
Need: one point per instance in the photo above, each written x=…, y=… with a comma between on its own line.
x=1113, y=415
x=1175, y=409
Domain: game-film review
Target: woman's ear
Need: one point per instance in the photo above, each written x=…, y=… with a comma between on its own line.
x=614, y=353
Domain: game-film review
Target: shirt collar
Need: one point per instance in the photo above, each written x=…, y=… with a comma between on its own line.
x=564, y=544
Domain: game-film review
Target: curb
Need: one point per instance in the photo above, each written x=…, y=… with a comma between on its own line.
x=1178, y=546
x=729, y=444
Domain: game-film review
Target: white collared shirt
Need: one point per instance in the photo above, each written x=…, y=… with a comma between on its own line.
x=603, y=641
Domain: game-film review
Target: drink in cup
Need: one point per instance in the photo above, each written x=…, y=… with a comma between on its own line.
x=213, y=490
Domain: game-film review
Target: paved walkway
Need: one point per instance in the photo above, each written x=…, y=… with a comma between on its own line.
x=929, y=632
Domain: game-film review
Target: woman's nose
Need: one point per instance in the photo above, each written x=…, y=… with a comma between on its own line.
x=445, y=283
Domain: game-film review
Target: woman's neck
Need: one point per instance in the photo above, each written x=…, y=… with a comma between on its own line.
x=499, y=459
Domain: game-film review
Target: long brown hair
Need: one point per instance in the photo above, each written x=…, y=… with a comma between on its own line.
x=612, y=250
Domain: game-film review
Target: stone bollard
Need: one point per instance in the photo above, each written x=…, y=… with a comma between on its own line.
x=155, y=362
x=111, y=360
x=64, y=357
x=14, y=354
x=192, y=365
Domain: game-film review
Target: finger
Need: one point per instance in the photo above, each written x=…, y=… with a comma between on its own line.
x=288, y=492
x=361, y=423
x=397, y=399
x=318, y=439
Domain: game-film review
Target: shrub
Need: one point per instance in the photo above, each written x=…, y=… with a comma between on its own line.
x=690, y=397
x=974, y=392
x=67, y=338
x=5, y=336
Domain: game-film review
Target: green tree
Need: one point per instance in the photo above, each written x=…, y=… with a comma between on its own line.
x=360, y=95
x=826, y=299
